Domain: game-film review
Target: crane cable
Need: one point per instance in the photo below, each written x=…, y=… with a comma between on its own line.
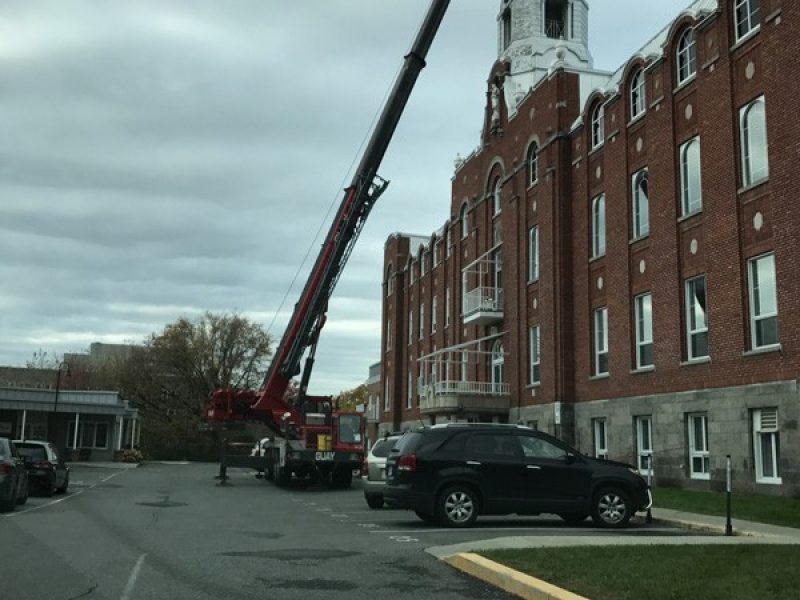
x=333, y=202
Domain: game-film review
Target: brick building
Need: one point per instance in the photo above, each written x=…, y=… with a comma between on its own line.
x=620, y=263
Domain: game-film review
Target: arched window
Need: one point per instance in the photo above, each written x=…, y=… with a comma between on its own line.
x=498, y=363
x=464, y=221
x=687, y=56
x=638, y=101
x=755, y=162
x=691, y=188
x=498, y=196
x=598, y=125
x=599, y=226
x=389, y=280
x=532, y=161
x=641, y=205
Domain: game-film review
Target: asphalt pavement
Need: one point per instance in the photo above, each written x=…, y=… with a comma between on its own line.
x=170, y=531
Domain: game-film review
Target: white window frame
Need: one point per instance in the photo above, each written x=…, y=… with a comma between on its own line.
x=83, y=427
x=598, y=125
x=388, y=335
x=698, y=448
x=641, y=203
x=464, y=365
x=464, y=215
x=533, y=254
x=435, y=259
x=691, y=197
x=433, y=314
x=389, y=281
x=644, y=335
x=532, y=161
x=534, y=350
x=754, y=133
x=386, y=400
x=696, y=329
x=449, y=242
x=687, y=56
x=422, y=257
x=421, y=320
x=599, y=226
x=638, y=95
x=600, y=438
x=766, y=428
x=747, y=19
x=600, y=338
x=410, y=327
x=447, y=301
x=644, y=445
x=497, y=196
x=409, y=395
x=757, y=298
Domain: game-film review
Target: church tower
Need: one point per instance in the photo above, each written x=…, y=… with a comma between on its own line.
x=536, y=36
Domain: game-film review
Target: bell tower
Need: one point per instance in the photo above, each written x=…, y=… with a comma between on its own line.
x=536, y=36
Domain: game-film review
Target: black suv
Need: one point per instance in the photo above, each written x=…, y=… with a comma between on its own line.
x=452, y=473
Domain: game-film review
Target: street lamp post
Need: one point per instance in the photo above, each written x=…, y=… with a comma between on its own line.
x=61, y=366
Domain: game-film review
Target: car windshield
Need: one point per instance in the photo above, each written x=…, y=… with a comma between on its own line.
x=382, y=448
x=350, y=429
x=32, y=451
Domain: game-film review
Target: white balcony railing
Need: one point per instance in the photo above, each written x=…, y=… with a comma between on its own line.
x=483, y=299
x=480, y=388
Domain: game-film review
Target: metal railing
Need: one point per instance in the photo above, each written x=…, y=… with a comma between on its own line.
x=482, y=388
x=483, y=299
x=556, y=29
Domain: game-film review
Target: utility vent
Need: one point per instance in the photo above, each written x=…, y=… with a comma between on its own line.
x=769, y=420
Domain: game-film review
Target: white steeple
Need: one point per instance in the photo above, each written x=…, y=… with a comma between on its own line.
x=538, y=35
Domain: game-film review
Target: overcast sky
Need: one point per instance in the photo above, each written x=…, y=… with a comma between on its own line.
x=161, y=158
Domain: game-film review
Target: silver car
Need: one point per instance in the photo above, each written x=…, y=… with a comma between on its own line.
x=374, y=476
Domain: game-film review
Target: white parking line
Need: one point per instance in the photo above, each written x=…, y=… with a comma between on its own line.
x=59, y=500
x=126, y=593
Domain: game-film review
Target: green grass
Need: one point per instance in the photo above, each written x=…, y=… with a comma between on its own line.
x=762, y=509
x=664, y=572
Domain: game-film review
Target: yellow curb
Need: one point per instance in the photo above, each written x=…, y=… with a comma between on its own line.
x=507, y=579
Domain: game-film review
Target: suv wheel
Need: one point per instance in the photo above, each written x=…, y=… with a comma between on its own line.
x=375, y=501
x=458, y=506
x=611, y=507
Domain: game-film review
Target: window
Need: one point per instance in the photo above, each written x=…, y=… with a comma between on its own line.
x=413, y=269
x=755, y=162
x=435, y=254
x=409, y=394
x=763, y=302
x=90, y=435
x=687, y=56
x=497, y=367
x=433, y=315
x=464, y=221
x=601, y=341
x=532, y=162
x=641, y=204
x=555, y=19
x=766, y=445
x=464, y=364
x=506, y=28
x=421, y=320
x=389, y=281
x=388, y=334
x=643, y=308
x=637, y=95
x=422, y=260
x=598, y=125
x=599, y=226
x=644, y=444
x=497, y=196
x=449, y=242
x=691, y=189
x=447, y=307
x=533, y=254
x=386, y=400
x=535, y=447
x=534, y=355
x=410, y=326
x=600, y=438
x=699, y=461
x=748, y=17
x=696, y=318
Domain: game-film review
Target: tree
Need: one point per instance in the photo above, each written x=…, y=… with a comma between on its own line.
x=350, y=399
x=42, y=359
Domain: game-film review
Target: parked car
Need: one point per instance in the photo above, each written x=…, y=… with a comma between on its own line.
x=47, y=471
x=13, y=477
x=374, y=470
x=452, y=473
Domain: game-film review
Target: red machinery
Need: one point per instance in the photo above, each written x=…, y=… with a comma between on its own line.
x=310, y=437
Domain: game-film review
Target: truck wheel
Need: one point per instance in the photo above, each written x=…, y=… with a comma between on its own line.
x=611, y=507
x=458, y=506
x=375, y=501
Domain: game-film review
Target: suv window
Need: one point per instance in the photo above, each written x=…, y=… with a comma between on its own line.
x=407, y=443
x=534, y=447
x=490, y=444
x=382, y=448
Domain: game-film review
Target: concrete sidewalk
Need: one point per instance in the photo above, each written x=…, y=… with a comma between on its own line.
x=708, y=530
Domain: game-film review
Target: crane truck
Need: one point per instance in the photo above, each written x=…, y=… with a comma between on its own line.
x=311, y=438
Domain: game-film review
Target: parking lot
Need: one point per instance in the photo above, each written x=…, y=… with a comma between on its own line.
x=171, y=531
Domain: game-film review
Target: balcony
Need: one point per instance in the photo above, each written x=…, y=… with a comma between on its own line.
x=466, y=397
x=483, y=306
